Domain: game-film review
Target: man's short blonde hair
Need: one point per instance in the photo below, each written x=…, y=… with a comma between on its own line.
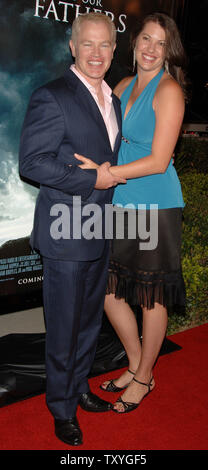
x=95, y=18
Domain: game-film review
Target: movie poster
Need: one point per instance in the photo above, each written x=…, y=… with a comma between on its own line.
x=34, y=37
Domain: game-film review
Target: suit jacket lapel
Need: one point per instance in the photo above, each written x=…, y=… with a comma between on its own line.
x=117, y=108
x=86, y=100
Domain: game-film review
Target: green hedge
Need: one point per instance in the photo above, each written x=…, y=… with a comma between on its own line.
x=191, y=153
x=191, y=162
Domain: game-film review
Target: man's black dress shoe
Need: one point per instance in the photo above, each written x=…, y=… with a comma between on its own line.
x=68, y=431
x=91, y=402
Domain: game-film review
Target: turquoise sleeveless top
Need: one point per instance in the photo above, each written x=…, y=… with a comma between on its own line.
x=138, y=129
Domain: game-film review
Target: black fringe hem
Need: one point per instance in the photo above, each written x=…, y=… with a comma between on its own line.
x=145, y=289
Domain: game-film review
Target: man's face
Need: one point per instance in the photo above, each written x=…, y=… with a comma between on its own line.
x=93, y=51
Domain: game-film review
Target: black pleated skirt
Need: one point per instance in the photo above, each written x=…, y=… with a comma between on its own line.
x=146, y=268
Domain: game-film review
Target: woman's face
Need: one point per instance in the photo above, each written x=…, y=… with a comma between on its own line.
x=150, y=47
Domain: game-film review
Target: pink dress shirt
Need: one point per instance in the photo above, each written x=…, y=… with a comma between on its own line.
x=108, y=112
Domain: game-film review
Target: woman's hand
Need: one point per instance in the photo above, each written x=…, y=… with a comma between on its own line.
x=87, y=163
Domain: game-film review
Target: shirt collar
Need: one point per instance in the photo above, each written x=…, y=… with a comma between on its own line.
x=105, y=87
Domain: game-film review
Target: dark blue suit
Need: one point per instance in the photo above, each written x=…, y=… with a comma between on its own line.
x=63, y=119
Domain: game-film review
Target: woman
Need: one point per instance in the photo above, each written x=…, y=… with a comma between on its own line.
x=152, y=108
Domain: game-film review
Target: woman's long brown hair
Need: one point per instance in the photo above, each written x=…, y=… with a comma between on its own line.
x=174, y=50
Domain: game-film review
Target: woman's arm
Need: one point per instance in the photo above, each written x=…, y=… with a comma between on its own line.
x=169, y=112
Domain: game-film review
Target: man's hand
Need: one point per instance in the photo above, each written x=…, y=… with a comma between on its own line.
x=105, y=179
x=87, y=163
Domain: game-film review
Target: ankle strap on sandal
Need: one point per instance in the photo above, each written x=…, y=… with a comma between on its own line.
x=143, y=383
x=133, y=373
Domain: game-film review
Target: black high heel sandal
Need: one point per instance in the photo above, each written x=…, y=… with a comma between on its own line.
x=111, y=387
x=128, y=406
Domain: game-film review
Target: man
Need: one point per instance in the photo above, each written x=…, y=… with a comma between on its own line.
x=73, y=114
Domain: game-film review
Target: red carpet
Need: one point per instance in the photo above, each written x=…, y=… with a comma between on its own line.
x=173, y=416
